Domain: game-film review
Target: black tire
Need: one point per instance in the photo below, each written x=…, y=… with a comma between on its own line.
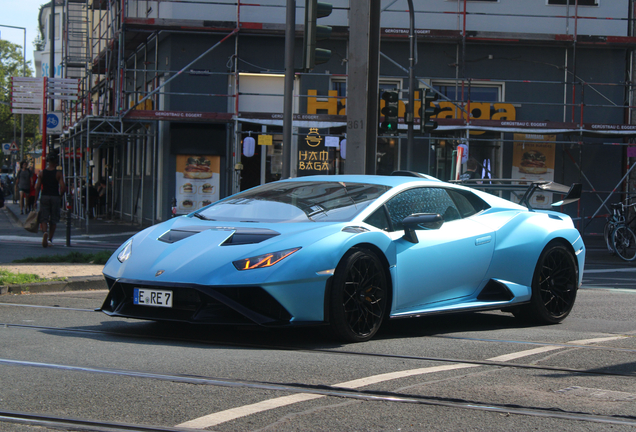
x=554, y=286
x=624, y=242
x=607, y=235
x=359, y=295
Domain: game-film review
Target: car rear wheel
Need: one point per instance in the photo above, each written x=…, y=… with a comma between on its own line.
x=554, y=286
x=358, y=296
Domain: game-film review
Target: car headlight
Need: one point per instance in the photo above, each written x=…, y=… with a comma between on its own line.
x=265, y=260
x=125, y=252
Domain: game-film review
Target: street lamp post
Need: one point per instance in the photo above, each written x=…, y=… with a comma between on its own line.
x=24, y=75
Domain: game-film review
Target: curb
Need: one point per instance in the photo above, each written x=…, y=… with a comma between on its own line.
x=13, y=216
x=77, y=283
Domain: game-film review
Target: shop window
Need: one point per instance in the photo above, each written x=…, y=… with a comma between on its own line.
x=149, y=158
x=128, y=157
x=138, y=147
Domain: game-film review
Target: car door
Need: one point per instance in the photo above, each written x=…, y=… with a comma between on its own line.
x=446, y=263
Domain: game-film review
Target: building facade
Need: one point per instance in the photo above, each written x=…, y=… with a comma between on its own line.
x=181, y=102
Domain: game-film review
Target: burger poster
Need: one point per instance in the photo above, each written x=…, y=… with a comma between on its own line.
x=197, y=182
x=532, y=160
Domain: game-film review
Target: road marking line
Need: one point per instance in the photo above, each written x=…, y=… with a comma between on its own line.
x=234, y=413
x=617, y=270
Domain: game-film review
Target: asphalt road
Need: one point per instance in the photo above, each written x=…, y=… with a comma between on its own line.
x=62, y=360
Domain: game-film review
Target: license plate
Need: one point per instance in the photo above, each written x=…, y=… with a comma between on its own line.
x=150, y=297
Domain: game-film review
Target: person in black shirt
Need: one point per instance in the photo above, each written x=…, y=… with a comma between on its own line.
x=471, y=170
x=51, y=185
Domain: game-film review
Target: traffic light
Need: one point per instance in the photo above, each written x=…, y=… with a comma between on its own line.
x=390, y=112
x=312, y=55
x=428, y=110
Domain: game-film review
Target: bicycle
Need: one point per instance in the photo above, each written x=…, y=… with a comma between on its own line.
x=623, y=239
x=613, y=220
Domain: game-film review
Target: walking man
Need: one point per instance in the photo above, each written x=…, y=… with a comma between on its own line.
x=51, y=184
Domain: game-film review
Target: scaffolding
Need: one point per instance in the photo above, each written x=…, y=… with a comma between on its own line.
x=112, y=47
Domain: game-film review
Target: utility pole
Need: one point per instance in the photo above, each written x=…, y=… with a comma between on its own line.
x=410, y=114
x=362, y=86
x=288, y=114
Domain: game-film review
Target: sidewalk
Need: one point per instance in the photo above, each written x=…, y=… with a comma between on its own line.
x=103, y=235
x=97, y=228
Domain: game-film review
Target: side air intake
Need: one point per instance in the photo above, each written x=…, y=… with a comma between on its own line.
x=495, y=291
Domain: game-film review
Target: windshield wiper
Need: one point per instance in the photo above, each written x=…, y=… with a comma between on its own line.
x=200, y=216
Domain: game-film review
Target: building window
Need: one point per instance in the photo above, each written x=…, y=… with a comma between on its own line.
x=339, y=85
x=474, y=94
x=573, y=2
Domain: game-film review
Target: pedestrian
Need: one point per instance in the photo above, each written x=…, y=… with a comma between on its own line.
x=24, y=184
x=33, y=205
x=51, y=187
x=471, y=170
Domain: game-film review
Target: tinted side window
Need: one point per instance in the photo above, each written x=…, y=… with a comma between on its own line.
x=379, y=219
x=467, y=203
x=421, y=200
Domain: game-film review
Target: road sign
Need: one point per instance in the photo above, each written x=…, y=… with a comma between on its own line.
x=6, y=147
x=54, y=122
x=27, y=95
x=62, y=88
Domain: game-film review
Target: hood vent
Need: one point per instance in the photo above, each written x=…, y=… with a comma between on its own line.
x=241, y=236
x=249, y=236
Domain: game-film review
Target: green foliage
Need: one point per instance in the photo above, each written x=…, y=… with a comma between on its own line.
x=74, y=257
x=11, y=64
x=8, y=278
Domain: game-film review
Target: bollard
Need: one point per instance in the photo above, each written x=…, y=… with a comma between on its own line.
x=68, y=224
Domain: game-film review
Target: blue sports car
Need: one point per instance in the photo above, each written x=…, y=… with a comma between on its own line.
x=349, y=251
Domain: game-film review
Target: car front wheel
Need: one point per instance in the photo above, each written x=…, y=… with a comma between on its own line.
x=554, y=286
x=358, y=296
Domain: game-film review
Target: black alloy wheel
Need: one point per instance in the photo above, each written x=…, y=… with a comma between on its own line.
x=358, y=296
x=554, y=286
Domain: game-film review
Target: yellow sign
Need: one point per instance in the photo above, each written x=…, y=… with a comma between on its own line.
x=313, y=160
x=478, y=110
x=264, y=140
x=313, y=138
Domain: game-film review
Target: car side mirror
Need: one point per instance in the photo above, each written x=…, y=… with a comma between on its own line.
x=420, y=221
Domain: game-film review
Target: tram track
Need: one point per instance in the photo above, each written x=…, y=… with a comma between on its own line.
x=504, y=364
x=485, y=340
x=318, y=390
x=74, y=424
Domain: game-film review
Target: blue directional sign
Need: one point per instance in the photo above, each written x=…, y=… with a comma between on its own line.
x=54, y=123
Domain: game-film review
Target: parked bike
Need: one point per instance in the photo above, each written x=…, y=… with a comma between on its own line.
x=619, y=237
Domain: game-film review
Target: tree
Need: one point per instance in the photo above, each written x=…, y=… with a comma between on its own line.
x=11, y=64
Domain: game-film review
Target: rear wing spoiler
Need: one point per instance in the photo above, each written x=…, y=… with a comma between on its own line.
x=572, y=193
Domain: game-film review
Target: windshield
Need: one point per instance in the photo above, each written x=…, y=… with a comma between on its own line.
x=296, y=202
